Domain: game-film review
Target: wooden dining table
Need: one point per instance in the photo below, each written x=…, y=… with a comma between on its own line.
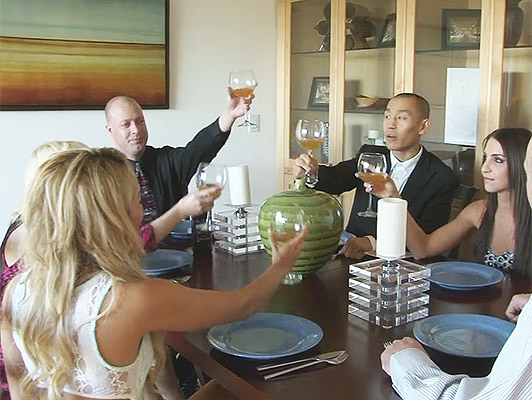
x=323, y=298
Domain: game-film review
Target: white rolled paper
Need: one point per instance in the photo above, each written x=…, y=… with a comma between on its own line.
x=239, y=185
x=391, y=228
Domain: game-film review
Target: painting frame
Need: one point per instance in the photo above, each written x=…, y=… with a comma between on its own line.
x=83, y=74
x=461, y=28
x=388, y=32
x=319, y=93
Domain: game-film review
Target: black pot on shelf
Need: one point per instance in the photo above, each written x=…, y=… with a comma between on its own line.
x=514, y=23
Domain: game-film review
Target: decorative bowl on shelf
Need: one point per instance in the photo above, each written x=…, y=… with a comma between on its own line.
x=365, y=101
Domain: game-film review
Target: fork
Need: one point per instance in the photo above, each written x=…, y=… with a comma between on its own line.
x=340, y=358
x=386, y=344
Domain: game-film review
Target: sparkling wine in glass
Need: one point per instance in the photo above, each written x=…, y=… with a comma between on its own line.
x=243, y=83
x=209, y=175
x=371, y=169
x=310, y=136
x=286, y=225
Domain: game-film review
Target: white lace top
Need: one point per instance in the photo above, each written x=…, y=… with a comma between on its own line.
x=92, y=376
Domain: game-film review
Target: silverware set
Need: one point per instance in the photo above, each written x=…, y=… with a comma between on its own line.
x=335, y=357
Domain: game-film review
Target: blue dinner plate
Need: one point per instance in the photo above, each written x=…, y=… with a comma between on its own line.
x=460, y=275
x=163, y=261
x=183, y=230
x=264, y=336
x=467, y=335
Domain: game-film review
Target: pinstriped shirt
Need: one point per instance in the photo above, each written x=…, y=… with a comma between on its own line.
x=415, y=376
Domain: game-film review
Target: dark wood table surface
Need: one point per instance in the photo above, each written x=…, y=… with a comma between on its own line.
x=322, y=298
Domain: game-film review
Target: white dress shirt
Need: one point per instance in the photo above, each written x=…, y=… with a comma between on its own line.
x=415, y=376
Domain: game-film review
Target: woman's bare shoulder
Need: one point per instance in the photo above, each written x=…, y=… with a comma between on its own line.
x=474, y=212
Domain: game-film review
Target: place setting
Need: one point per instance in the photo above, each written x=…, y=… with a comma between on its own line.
x=463, y=276
x=269, y=339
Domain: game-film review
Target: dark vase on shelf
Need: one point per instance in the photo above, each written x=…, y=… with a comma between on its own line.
x=514, y=23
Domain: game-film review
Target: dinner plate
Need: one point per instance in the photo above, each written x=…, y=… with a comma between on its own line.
x=183, y=230
x=163, y=261
x=460, y=275
x=266, y=335
x=467, y=335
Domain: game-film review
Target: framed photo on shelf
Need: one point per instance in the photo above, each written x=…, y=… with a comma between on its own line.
x=76, y=55
x=387, y=37
x=460, y=29
x=319, y=92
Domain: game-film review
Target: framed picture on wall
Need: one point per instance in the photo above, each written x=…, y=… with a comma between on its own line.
x=77, y=54
x=460, y=29
x=319, y=92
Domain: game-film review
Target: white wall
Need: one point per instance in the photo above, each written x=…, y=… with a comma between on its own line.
x=208, y=38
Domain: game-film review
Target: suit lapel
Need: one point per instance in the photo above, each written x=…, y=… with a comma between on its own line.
x=419, y=177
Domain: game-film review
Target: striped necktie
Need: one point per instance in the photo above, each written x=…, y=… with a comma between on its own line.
x=146, y=194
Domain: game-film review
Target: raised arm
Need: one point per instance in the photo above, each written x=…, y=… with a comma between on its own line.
x=159, y=305
x=423, y=245
x=192, y=204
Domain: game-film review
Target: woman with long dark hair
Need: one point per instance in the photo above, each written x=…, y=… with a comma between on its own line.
x=503, y=219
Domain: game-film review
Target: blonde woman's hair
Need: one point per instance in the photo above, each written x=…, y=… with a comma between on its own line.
x=76, y=214
x=47, y=150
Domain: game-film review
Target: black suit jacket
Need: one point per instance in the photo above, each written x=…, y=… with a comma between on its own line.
x=429, y=190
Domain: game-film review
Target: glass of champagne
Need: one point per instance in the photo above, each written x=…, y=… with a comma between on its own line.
x=310, y=136
x=209, y=175
x=243, y=83
x=286, y=226
x=371, y=169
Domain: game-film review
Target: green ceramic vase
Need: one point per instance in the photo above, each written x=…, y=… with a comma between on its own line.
x=322, y=212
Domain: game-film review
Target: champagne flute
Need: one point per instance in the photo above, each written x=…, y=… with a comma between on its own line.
x=209, y=175
x=371, y=169
x=310, y=136
x=243, y=84
x=287, y=225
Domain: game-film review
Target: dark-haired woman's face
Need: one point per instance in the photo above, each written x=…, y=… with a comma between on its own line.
x=495, y=169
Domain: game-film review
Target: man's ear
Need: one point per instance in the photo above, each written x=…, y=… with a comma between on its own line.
x=425, y=126
x=109, y=129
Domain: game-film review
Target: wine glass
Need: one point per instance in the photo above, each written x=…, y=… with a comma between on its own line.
x=310, y=136
x=371, y=169
x=286, y=226
x=243, y=84
x=209, y=175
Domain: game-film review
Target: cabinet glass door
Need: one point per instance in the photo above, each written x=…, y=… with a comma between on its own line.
x=517, y=67
x=369, y=71
x=447, y=74
x=309, y=68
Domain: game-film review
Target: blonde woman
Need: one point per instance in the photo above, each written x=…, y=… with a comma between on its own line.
x=11, y=247
x=82, y=321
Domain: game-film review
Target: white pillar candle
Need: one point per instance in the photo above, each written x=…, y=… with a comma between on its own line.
x=239, y=185
x=374, y=134
x=391, y=228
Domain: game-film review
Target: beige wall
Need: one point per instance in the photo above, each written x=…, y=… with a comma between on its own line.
x=208, y=38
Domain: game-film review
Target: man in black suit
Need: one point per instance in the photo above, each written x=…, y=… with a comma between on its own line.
x=422, y=178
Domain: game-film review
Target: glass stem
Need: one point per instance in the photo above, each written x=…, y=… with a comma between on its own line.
x=369, y=202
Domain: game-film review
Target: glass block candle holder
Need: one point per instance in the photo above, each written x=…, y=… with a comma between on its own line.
x=388, y=293
x=237, y=232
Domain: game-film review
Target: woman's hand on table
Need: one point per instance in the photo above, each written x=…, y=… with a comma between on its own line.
x=397, y=346
x=516, y=305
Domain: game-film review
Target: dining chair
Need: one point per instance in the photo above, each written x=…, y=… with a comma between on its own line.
x=463, y=196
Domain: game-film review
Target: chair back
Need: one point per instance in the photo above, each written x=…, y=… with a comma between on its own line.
x=463, y=195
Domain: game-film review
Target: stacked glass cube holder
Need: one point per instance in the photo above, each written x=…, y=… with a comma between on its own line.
x=237, y=232
x=388, y=293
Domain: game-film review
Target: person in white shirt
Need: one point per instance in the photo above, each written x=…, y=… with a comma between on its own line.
x=415, y=376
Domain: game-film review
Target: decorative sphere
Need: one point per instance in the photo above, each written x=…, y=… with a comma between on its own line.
x=325, y=219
